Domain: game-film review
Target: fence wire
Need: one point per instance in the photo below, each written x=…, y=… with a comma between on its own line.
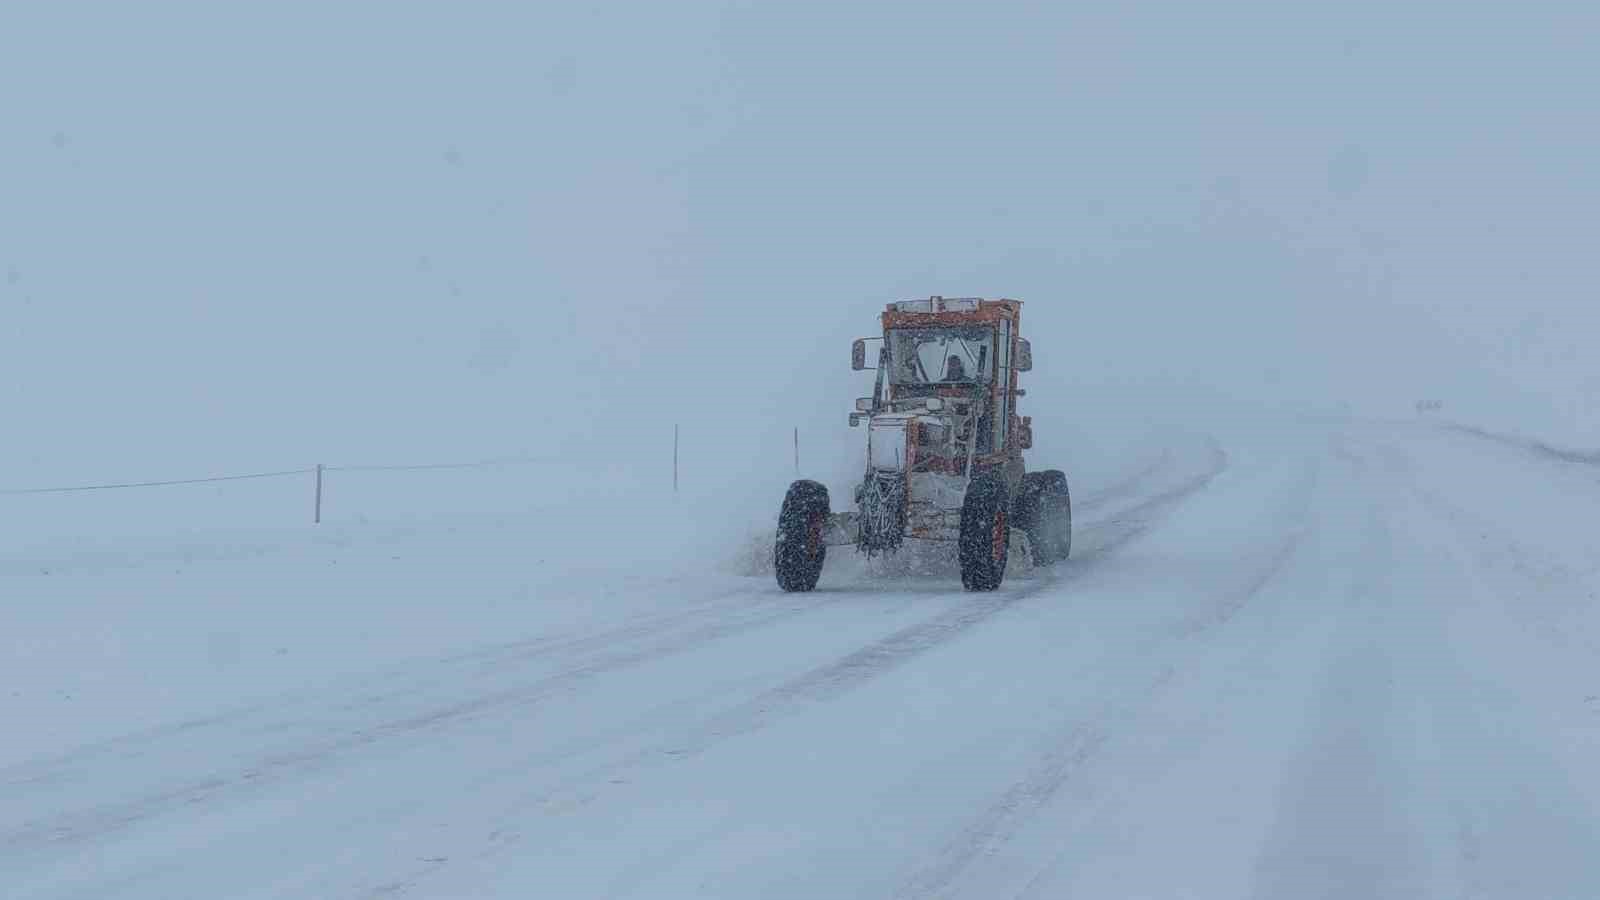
x=144, y=484
x=481, y=464
x=282, y=473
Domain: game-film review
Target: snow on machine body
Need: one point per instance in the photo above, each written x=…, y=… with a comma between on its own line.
x=944, y=450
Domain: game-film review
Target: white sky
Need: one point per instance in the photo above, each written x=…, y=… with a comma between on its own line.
x=252, y=239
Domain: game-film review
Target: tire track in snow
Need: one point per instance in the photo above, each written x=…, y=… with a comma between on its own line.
x=1353, y=759
x=735, y=599
x=834, y=679
x=1554, y=594
x=1080, y=739
x=851, y=671
x=1535, y=809
x=1530, y=446
x=1097, y=499
x=867, y=663
x=99, y=821
x=53, y=769
x=1066, y=754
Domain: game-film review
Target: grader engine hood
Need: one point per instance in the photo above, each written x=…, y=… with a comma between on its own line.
x=907, y=441
x=913, y=486
x=888, y=442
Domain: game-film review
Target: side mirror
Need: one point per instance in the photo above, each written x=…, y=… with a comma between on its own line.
x=858, y=355
x=1025, y=433
x=1024, y=360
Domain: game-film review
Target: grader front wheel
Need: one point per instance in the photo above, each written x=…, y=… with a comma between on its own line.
x=800, y=551
x=985, y=534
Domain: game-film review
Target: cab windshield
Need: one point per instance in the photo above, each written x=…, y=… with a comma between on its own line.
x=941, y=355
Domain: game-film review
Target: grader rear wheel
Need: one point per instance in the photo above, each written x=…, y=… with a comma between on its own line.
x=1044, y=511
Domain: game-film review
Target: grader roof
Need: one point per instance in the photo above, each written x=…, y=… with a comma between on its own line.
x=937, y=311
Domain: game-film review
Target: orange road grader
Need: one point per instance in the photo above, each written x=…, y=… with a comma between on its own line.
x=944, y=451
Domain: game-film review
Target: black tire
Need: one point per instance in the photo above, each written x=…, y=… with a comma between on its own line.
x=1044, y=511
x=985, y=533
x=800, y=551
x=1025, y=506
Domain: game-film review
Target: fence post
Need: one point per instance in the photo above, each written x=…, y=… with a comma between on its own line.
x=316, y=515
x=674, y=459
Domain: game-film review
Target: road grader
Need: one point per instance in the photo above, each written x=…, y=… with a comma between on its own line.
x=944, y=451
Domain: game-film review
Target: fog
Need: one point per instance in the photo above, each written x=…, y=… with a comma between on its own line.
x=398, y=400
x=237, y=240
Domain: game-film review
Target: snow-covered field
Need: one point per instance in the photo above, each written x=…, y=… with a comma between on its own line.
x=1315, y=660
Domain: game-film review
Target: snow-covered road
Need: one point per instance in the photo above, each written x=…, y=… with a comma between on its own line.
x=1336, y=660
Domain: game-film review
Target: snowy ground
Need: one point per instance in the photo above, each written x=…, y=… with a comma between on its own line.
x=1353, y=660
